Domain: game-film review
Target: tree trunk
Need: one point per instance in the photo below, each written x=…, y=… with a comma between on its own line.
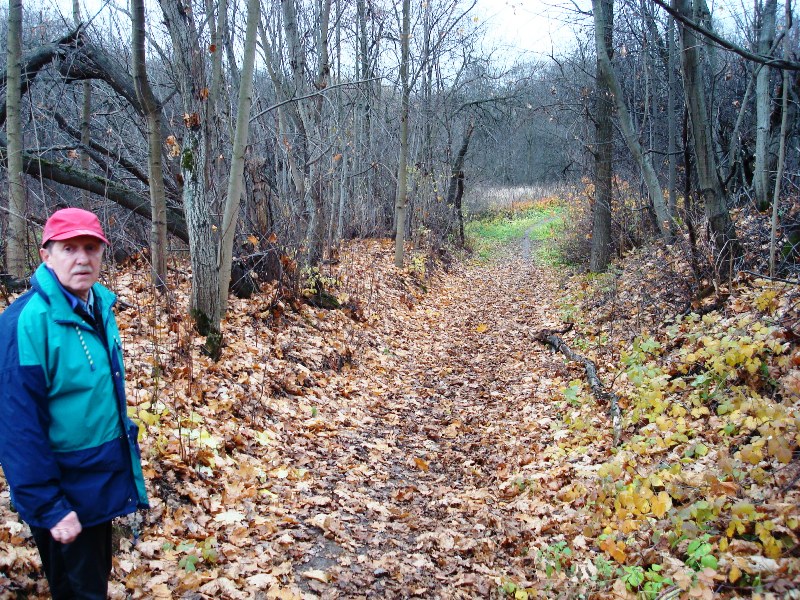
x=37, y=60
x=283, y=121
x=455, y=189
x=59, y=172
x=152, y=111
x=86, y=110
x=781, y=146
x=401, y=201
x=205, y=299
x=316, y=239
x=630, y=134
x=604, y=143
x=723, y=234
x=237, y=157
x=16, y=262
x=764, y=163
x=672, y=125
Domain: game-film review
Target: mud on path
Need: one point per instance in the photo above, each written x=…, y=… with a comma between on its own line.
x=428, y=485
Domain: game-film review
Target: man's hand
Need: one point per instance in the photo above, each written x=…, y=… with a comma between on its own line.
x=67, y=529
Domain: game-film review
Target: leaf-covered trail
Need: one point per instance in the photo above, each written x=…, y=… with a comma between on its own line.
x=414, y=492
x=406, y=452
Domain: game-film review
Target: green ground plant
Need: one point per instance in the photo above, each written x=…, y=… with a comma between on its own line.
x=540, y=220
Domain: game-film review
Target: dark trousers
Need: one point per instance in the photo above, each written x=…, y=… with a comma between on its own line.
x=78, y=570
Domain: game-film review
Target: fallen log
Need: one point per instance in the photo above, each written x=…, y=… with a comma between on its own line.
x=552, y=338
x=65, y=174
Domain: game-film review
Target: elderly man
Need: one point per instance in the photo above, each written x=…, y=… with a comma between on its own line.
x=67, y=447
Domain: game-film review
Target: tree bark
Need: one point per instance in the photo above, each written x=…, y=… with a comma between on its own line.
x=401, y=201
x=764, y=162
x=237, y=157
x=723, y=234
x=16, y=262
x=455, y=189
x=86, y=109
x=205, y=299
x=152, y=111
x=36, y=166
x=781, y=147
x=37, y=60
x=604, y=141
x=643, y=159
x=672, y=125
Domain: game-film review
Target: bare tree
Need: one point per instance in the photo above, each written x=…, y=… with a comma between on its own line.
x=782, y=143
x=401, y=201
x=231, y=215
x=604, y=139
x=86, y=109
x=643, y=159
x=205, y=299
x=16, y=262
x=152, y=113
x=764, y=161
x=723, y=234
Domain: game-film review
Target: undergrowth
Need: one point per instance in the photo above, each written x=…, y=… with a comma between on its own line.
x=700, y=498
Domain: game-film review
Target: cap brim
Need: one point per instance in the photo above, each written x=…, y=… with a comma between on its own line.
x=67, y=235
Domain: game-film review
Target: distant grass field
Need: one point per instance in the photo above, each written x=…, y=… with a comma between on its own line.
x=542, y=219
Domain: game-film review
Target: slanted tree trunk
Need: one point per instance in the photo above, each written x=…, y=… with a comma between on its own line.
x=604, y=143
x=764, y=161
x=16, y=262
x=629, y=132
x=723, y=234
x=235, y=182
x=152, y=112
x=401, y=201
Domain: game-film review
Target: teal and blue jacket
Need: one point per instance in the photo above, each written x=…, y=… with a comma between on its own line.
x=66, y=442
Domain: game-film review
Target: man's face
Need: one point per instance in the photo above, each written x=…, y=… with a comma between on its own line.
x=76, y=262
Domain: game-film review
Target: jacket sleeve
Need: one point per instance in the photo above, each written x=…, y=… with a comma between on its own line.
x=28, y=462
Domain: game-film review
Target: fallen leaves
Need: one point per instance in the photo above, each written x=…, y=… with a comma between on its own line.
x=447, y=457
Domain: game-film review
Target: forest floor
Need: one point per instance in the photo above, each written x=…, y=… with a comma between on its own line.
x=421, y=443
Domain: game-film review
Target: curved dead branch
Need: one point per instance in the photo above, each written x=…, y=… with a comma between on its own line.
x=552, y=338
x=85, y=180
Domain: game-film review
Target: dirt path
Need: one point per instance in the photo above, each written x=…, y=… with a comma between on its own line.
x=416, y=496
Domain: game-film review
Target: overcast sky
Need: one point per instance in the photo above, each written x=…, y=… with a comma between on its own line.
x=536, y=26
x=521, y=28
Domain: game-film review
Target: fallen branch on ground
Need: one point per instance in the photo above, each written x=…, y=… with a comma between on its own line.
x=552, y=338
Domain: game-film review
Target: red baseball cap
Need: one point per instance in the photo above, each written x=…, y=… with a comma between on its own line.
x=72, y=222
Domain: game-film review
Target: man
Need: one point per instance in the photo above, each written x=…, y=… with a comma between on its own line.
x=67, y=447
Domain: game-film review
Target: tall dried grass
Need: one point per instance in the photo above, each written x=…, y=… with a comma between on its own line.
x=486, y=199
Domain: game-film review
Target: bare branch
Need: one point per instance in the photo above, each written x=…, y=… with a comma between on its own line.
x=770, y=61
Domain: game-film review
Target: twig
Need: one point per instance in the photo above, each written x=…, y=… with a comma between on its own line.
x=311, y=95
x=779, y=279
